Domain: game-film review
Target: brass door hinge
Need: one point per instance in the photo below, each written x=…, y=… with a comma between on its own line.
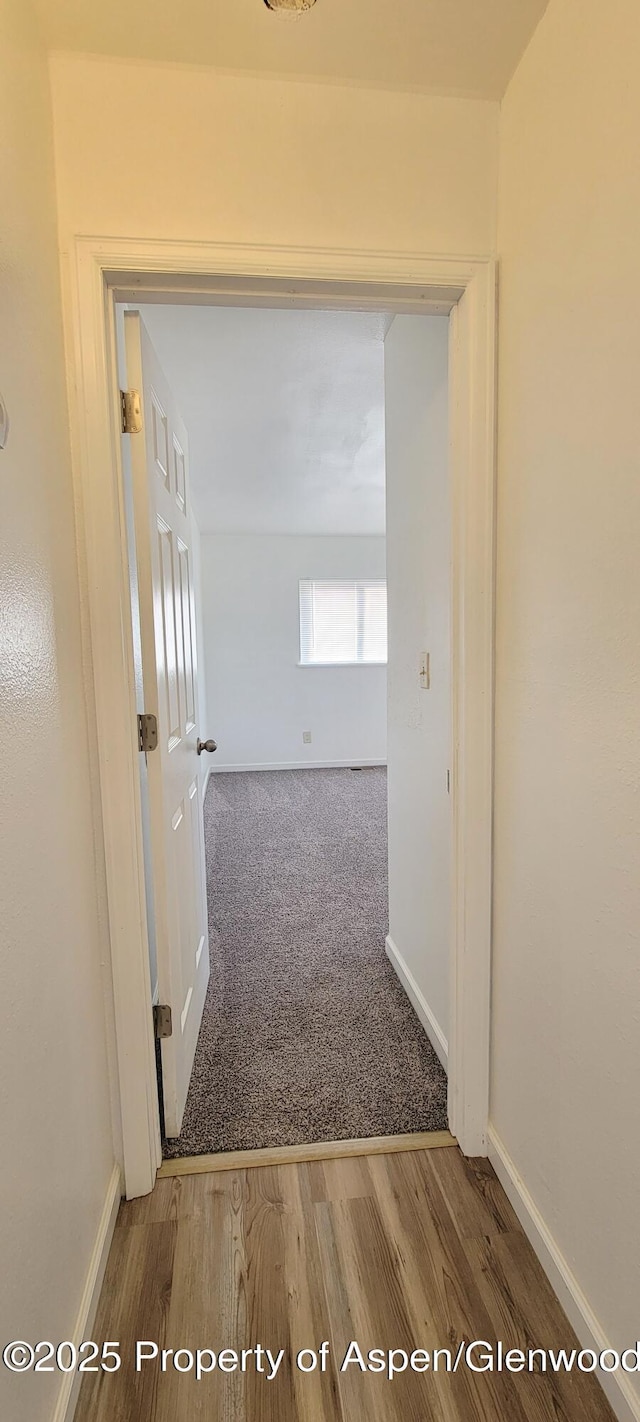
x=162, y=1024
x=147, y=732
x=131, y=408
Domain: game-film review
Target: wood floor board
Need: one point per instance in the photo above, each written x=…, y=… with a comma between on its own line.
x=316, y=1394
x=345, y=1179
x=297, y=1154
x=407, y=1250
x=266, y=1291
x=475, y=1199
x=137, y=1288
x=513, y=1277
x=208, y=1298
x=369, y=1307
x=497, y=1285
x=418, y=1217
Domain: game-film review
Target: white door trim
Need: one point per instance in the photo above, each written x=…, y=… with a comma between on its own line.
x=139, y=269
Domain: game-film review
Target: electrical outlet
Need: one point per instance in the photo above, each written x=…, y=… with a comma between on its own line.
x=306, y=738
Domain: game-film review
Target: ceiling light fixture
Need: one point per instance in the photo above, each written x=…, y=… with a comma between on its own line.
x=289, y=9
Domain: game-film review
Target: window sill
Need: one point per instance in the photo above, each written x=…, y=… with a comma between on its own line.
x=342, y=664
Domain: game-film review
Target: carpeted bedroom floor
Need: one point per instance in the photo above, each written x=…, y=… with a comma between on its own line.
x=306, y=1034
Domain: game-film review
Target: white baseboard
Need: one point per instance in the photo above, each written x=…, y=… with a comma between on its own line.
x=68, y=1394
x=209, y=773
x=624, y=1399
x=298, y=765
x=418, y=1002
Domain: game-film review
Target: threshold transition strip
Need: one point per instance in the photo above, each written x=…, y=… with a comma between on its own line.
x=298, y=1154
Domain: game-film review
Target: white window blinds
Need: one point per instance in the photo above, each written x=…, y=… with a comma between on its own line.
x=342, y=622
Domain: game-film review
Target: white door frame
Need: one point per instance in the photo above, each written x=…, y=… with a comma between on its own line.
x=103, y=270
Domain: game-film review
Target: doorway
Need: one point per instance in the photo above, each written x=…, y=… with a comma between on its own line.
x=464, y=289
x=263, y=442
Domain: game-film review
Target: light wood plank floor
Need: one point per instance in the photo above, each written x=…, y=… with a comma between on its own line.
x=411, y=1250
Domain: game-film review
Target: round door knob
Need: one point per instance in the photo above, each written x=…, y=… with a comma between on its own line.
x=205, y=745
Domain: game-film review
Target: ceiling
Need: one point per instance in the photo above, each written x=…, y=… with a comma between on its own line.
x=461, y=47
x=285, y=415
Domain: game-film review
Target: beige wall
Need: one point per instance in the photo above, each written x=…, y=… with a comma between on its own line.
x=566, y=1025
x=54, y=1104
x=173, y=151
x=167, y=151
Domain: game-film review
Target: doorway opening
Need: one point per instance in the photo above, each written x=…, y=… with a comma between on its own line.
x=107, y=271
x=258, y=513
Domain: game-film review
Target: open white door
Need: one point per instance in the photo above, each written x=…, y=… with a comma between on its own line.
x=159, y=461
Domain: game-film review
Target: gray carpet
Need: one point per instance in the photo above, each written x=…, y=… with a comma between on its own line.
x=307, y=1034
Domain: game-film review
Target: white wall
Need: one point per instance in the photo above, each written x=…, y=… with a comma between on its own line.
x=566, y=989
x=418, y=574
x=259, y=700
x=219, y=156
x=54, y=1097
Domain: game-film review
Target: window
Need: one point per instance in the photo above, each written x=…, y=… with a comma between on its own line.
x=342, y=623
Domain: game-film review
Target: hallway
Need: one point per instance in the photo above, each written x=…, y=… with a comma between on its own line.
x=307, y=1034
x=416, y=1250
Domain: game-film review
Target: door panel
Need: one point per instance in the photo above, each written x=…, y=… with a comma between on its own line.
x=167, y=612
x=187, y=633
x=167, y=633
x=180, y=475
x=160, y=440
